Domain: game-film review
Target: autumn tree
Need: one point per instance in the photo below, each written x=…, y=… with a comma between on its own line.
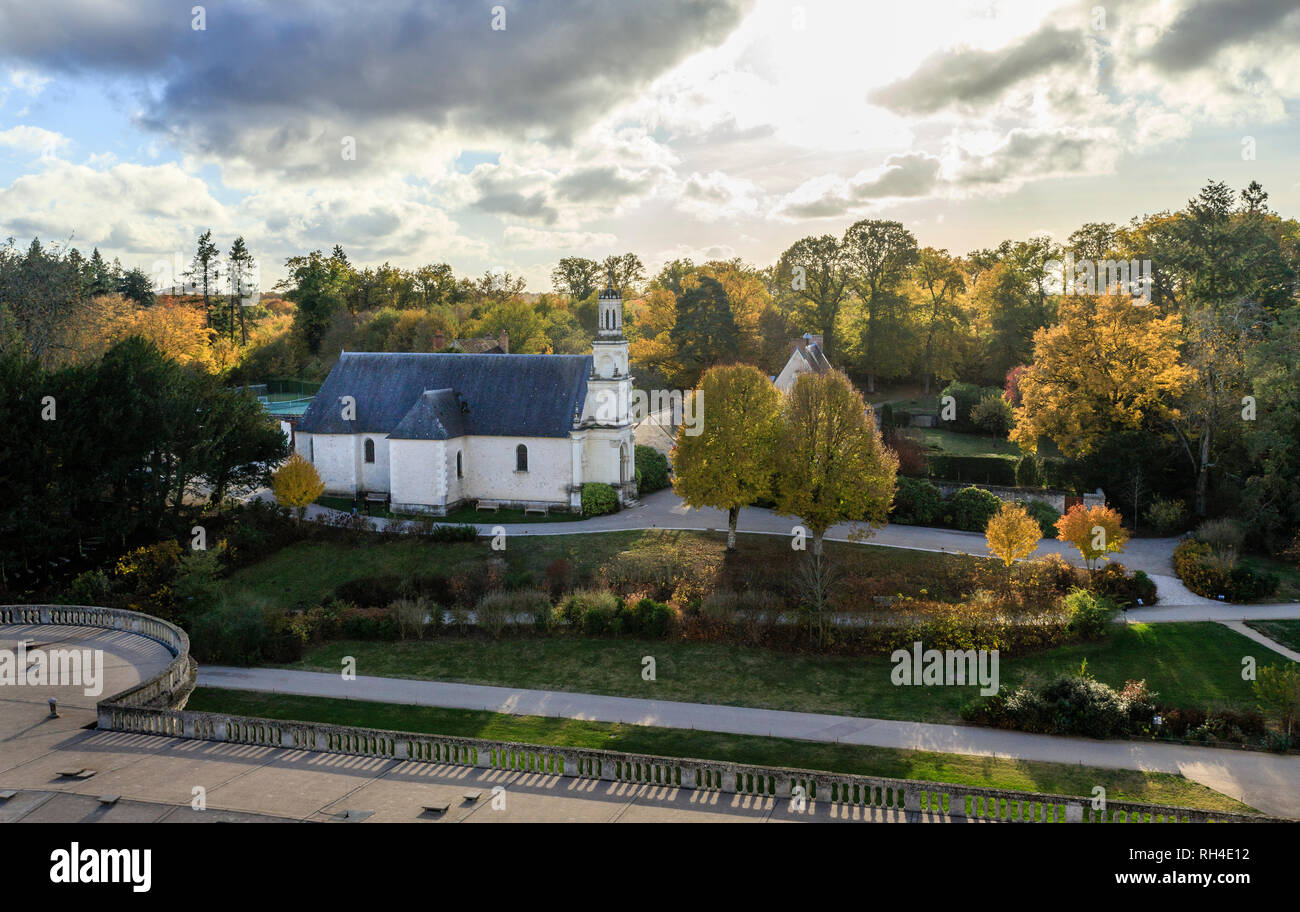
x=939, y=279
x=1109, y=365
x=239, y=271
x=879, y=255
x=1012, y=533
x=813, y=271
x=297, y=484
x=578, y=277
x=831, y=467
x=178, y=330
x=728, y=465
x=1096, y=531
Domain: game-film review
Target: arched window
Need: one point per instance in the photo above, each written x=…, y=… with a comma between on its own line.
x=370, y=450
x=460, y=468
x=521, y=458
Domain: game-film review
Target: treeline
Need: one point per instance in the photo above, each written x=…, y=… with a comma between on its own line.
x=125, y=449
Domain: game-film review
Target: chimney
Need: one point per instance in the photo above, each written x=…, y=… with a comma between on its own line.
x=439, y=341
x=816, y=339
x=801, y=345
x=504, y=341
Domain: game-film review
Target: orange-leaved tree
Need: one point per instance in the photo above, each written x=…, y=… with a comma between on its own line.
x=297, y=483
x=1096, y=531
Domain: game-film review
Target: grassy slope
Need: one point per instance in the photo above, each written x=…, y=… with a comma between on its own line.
x=1193, y=665
x=305, y=573
x=1055, y=778
x=1285, y=632
x=963, y=444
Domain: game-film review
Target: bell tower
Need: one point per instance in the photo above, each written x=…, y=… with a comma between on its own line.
x=610, y=349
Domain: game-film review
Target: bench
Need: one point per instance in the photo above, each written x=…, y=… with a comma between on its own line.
x=493, y=505
x=437, y=808
x=471, y=797
x=76, y=773
x=537, y=508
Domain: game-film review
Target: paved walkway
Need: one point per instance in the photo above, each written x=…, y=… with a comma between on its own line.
x=1268, y=782
x=155, y=778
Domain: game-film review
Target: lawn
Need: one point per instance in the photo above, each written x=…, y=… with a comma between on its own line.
x=1190, y=665
x=303, y=574
x=1285, y=632
x=1055, y=778
x=1288, y=575
x=957, y=444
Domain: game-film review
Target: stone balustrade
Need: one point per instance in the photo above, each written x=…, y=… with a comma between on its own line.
x=155, y=707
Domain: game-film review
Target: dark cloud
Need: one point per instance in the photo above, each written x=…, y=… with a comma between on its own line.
x=260, y=68
x=1029, y=154
x=968, y=76
x=599, y=185
x=912, y=174
x=1204, y=28
x=530, y=205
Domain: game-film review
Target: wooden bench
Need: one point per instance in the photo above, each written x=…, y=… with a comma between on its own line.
x=537, y=508
x=437, y=808
x=471, y=797
x=493, y=505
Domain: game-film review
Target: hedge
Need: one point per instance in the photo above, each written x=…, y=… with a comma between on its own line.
x=652, y=469
x=598, y=499
x=990, y=470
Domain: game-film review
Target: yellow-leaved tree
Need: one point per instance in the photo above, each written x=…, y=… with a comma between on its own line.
x=1096, y=531
x=1109, y=364
x=831, y=467
x=728, y=464
x=297, y=484
x=1012, y=533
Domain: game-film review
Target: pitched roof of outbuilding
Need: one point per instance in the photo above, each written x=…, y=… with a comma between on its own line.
x=436, y=396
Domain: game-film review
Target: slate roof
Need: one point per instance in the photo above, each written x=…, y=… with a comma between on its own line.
x=438, y=396
x=480, y=345
x=814, y=356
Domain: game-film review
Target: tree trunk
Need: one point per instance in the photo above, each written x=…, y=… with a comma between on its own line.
x=1203, y=473
x=733, y=515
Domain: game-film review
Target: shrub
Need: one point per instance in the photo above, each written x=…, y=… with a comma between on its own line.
x=652, y=467
x=559, y=576
x=1080, y=705
x=453, y=532
x=93, y=587
x=972, y=508
x=656, y=570
x=580, y=601
x=497, y=610
x=1096, y=531
x=411, y=615
x=1027, y=473
x=1167, y=516
x=992, y=415
x=1224, y=536
x=912, y=459
x=1088, y=615
x=147, y=574
x=917, y=502
x=652, y=619
x=1207, y=574
x=598, y=499
x=1115, y=583
x=1046, y=516
x=966, y=397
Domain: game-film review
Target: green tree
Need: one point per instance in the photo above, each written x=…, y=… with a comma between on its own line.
x=316, y=284
x=578, y=277
x=880, y=255
x=205, y=271
x=728, y=465
x=704, y=332
x=813, y=271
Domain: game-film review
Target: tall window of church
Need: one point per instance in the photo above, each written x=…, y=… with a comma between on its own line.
x=370, y=450
x=460, y=468
x=521, y=458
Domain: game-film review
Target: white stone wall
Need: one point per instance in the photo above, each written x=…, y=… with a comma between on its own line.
x=490, y=469
x=374, y=475
x=337, y=458
x=419, y=473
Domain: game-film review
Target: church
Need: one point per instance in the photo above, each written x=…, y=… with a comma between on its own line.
x=436, y=431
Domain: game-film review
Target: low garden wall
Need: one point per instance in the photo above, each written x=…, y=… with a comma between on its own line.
x=1056, y=499
x=155, y=707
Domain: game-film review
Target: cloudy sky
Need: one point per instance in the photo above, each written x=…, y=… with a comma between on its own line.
x=701, y=128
